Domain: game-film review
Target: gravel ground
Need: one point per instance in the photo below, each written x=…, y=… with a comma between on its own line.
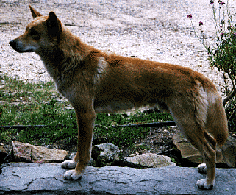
x=156, y=30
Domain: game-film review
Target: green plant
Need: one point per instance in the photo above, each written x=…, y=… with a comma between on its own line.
x=40, y=104
x=125, y=136
x=34, y=104
x=222, y=54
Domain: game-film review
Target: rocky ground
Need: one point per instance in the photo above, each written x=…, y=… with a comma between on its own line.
x=47, y=179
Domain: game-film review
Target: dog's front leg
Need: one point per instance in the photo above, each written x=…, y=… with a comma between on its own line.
x=85, y=133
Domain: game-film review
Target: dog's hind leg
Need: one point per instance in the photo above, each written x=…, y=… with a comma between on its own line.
x=85, y=122
x=185, y=115
x=209, y=154
x=202, y=168
x=200, y=141
x=216, y=132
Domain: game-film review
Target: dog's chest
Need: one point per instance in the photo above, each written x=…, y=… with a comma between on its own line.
x=101, y=70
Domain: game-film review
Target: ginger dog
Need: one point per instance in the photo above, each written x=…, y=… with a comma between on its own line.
x=94, y=81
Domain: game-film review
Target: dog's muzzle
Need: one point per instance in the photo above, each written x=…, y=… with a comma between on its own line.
x=14, y=45
x=19, y=47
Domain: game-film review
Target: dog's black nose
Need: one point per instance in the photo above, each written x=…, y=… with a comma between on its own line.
x=13, y=43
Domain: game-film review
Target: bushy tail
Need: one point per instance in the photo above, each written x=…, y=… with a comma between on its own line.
x=217, y=126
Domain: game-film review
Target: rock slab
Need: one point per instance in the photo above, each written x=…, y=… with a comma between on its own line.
x=193, y=155
x=149, y=160
x=31, y=178
x=30, y=153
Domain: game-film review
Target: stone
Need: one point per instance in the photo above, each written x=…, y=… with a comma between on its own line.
x=149, y=160
x=105, y=154
x=2, y=149
x=192, y=155
x=3, y=153
x=29, y=153
x=108, y=154
x=186, y=148
x=47, y=179
x=229, y=151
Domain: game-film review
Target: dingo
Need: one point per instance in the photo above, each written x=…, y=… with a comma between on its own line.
x=94, y=81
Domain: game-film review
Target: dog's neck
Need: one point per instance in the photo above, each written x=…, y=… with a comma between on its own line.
x=69, y=53
x=70, y=44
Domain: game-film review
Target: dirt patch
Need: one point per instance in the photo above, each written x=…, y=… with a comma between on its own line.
x=158, y=30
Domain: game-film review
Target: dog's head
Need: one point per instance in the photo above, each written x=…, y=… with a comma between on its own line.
x=42, y=32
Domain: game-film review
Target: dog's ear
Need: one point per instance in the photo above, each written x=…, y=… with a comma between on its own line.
x=54, y=25
x=35, y=14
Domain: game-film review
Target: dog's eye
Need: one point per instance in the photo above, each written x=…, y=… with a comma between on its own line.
x=35, y=35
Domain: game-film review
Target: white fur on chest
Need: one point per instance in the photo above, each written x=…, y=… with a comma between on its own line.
x=101, y=69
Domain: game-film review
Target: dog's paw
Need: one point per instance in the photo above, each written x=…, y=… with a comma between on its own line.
x=68, y=164
x=202, y=168
x=72, y=175
x=202, y=184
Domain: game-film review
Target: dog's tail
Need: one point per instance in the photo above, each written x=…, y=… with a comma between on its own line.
x=217, y=126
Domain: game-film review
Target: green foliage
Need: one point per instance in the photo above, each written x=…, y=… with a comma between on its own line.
x=222, y=55
x=39, y=104
x=48, y=114
x=125, y=136
x=34, y=104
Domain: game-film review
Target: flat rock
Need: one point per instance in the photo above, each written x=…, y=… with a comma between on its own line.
x=31, y=153
x=149, y=160
x=186, y=148
x=193, y=155
x=3, y=152
x=31, y=178
x=229, y=150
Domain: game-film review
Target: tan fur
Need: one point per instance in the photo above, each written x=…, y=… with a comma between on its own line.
x=94, y=81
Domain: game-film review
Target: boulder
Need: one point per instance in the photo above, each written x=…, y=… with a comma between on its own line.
x=149, y=160
x=3, y=153
x=229, y=151
x=105, y=154
x=192, y=156
x=47, y=179
x=188, y=152
x=29, y=153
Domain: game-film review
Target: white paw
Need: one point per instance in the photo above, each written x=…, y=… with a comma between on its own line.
x=202, y=168
x=68, y=164
x=72, y=175
x=202, y=184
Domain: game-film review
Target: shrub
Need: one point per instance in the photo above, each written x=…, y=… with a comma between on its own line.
x=222, y=55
